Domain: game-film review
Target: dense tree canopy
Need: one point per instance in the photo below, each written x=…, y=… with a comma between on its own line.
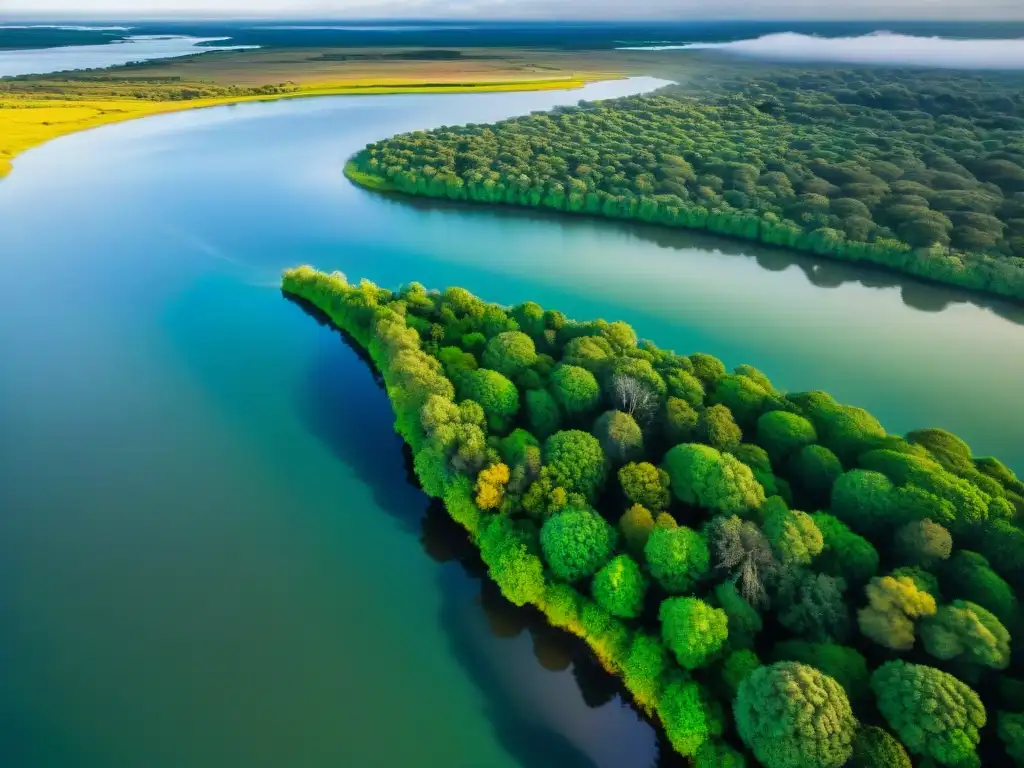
x=918, y=171
x=793, y=716
x=912, y=539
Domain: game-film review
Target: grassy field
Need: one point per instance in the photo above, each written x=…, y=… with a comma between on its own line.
x=34, y=110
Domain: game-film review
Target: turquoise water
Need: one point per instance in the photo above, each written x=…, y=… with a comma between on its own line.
x=209, y=551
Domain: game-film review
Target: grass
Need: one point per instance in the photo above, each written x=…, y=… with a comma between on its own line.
x=367, y=180
x=35, y=110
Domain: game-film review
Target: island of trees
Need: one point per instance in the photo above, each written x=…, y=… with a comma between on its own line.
x=776, y=580
x=920, y=172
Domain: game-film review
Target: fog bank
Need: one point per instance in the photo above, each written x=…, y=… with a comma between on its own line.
x=877, y=48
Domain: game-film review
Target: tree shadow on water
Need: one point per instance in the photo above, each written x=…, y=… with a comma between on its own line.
x=820, y=271
x=341, y=400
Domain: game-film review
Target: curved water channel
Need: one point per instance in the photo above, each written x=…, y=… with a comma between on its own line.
x=210, y=553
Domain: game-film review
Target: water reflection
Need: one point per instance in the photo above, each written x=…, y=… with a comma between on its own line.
x=533, y=717
x=820, y=272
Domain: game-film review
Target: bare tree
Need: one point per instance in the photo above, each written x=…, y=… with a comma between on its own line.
x=743, y=550
x=634, y=397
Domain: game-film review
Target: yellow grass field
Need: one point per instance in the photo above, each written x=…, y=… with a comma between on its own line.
x=26, y=122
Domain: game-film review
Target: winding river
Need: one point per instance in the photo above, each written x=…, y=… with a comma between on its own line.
x=210, y=554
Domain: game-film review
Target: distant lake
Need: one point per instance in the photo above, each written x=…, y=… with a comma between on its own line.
x=210, y=551
x=40, y=61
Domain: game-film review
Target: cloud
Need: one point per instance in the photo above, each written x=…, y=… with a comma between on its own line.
x=876, y=48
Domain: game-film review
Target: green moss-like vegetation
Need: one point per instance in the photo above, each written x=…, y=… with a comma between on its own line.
x=679, y=568
x=919, y=172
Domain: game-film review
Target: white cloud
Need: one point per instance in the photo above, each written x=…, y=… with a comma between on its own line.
x=673, y=9
x=878, y=48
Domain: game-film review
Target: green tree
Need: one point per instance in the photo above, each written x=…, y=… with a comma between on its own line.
x=812, y=605
x=874, y=747
x=934, y=714
x=518, y=573
x=619, y=587
x=1011, y=733
x=964, y=630
x=844, y=665
x=681, y=421
x=923, y=542
x=968, y=576
x=814, y=469
x=894, y=603
x=794, y=536
x=576, y=462
x=736, y=667
x=645, y=484
x=496, y=395
x=636, y=525
x=576, y=543
x=843, y=552
x=677, y=558
x=793, y=716
x=575, y=389
x=620, y=436
x=702, y=476
x=693, y=630
x=510, y=353
x=783, y=434
x=709, y=369
x=542, y=413
x=744, y=621
x=718, y=429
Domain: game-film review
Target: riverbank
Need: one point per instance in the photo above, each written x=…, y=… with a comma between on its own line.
x=495, y=404
x=33, y=112
x=878, y=255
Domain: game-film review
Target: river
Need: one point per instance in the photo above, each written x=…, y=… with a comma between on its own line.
x=134, y=48
x=210, y=554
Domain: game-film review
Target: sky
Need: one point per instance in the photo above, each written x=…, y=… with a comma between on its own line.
x=560, y=9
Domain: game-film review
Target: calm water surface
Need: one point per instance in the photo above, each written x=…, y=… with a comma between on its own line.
x=209, y=553
x=133, y=48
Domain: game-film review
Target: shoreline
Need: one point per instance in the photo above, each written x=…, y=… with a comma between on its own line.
x=377, y=183
x=110, y=111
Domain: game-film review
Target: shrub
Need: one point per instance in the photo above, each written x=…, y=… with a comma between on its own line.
x=576, y=543
x=793, y=716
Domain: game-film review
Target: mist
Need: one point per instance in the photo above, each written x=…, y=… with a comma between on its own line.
x=877, y=48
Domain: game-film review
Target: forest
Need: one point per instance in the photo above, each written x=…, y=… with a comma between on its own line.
x=917, y=171
x=776, y=580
